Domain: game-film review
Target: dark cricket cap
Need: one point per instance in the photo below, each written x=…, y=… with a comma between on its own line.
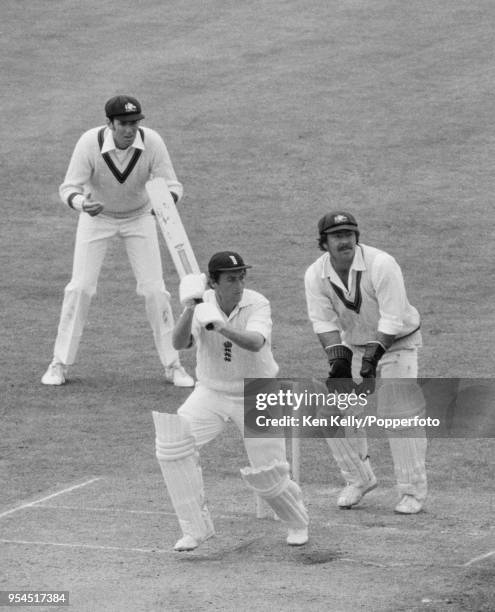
x=336, y=221
x=125, y=108
x=226, y=261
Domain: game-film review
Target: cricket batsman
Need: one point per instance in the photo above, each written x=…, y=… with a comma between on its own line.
x=357, y=304
x=231, y=331
x=105, y=184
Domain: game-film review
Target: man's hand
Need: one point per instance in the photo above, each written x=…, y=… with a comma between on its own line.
x=92, y=208
x=373, y=352
x=340, y=375
x=209, y=316
x=83, y=203
x=191, y=289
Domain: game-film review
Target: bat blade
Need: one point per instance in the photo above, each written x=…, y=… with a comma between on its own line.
x=171, y=227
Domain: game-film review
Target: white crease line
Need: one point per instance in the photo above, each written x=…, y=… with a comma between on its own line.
x=39, y=501
x=109, y=510
x=229, y=515
x=161, y=551
x=480, y=558
x=90, y=546
x=233, y=514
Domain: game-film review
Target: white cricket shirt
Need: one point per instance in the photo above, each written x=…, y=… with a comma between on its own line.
x=221, y=364
x=375, y=300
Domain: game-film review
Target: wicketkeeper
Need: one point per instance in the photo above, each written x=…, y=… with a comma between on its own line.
x=231, y=331
x=359, y=309
x=105, y=183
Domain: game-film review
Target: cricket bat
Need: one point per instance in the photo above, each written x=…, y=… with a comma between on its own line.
x=171, y=226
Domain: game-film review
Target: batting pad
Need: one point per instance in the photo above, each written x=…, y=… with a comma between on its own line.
x=400, y=399
x=161, y=319
x=284, y=496
x=72, y=320
x=179, y=462
x=350, y=454
x=409, y=455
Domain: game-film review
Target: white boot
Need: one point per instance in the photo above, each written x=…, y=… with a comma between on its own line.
x=408, y=505
x=353, y=493
x=297, y=537
x=55, y=375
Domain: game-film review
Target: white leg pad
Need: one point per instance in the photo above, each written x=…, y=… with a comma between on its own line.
x=284, y=496
x=350, y=454
x=178, y=458
x=409, y=455
x=400, y=399
x=73, y=317
x=161, y=319
x=403, y=399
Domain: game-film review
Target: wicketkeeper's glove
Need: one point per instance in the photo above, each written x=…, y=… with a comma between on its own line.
x=340, y=375
x=209, y=316
x=373, y=352
x=191, y=289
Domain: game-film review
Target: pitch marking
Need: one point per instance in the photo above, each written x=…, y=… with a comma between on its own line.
x=127, y=511
x=39, y=501
x=91, y=547
x=107, y=510
x=480, y=558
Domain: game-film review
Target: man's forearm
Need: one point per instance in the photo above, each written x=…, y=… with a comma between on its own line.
x=181, y=335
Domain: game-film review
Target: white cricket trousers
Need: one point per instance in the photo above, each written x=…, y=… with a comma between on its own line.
x=208, y=411
x=141, y=244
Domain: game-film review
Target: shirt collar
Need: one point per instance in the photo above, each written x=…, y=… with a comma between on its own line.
x=357, y=264
x=109, y=143
x=245, y=300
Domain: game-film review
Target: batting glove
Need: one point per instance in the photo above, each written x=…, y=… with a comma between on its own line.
x=373, y=352
x=340, y=375
x=191, y=289
x=209, y=316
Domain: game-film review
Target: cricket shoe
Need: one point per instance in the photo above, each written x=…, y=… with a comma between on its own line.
x=352, y=494
x=189, y=542
x=55, y=375
x=178, y=376
x=408, y=505
x=297, y=536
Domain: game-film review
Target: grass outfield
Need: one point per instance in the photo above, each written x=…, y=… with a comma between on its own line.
x=274, y=113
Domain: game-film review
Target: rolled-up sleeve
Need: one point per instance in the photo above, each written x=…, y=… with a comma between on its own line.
x=390, y=290
x=320, y=309
x=79, y=170
x=162, y=166
x=260, y=319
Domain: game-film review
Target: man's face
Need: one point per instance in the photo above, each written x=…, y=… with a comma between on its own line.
x=124, y=132
x=229, y=288
x=341, y=245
